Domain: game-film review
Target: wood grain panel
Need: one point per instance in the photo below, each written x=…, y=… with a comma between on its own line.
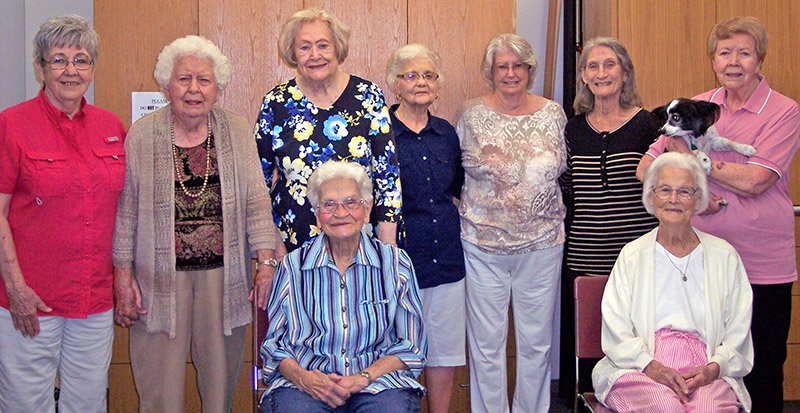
x=791, y=380
x=598, y=17
x=131, y=36
x=377, y=28
x=247, y=33
x=666, y=40
x=461, y=45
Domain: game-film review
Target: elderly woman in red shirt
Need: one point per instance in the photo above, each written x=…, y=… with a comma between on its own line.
x=62, y=168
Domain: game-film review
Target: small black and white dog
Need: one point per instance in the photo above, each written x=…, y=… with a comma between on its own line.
x=693, y=120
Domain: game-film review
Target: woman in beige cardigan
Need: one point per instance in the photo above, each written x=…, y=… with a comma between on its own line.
x=193, y=212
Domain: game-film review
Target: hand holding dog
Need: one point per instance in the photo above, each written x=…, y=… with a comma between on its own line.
x=677, y=144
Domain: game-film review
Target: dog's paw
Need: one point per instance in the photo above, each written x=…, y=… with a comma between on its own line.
x=705, y=161
x=747, y=150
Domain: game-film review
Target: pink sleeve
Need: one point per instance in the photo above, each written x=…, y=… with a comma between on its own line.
x=9, y=159
x=658, y=147
x=778, y=143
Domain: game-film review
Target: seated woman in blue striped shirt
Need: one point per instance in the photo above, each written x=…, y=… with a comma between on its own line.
x=345, y=324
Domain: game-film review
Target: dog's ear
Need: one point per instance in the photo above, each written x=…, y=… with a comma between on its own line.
x=660, y=114
x=708, y=113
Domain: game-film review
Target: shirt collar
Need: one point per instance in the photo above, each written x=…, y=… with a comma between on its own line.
x=434, y=124
x=56, y=113
x=367, y=254
x=755, y=104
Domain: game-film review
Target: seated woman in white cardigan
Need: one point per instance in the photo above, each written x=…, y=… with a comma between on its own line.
x=676, y=309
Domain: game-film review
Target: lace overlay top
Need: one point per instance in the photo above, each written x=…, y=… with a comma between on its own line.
x=511, y=201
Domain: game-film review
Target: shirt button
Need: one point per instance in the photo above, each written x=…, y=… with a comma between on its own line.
x=436, y=241
x=435, y=221
x=342, y=351
x=430, y=200
x=428, y=178
x=347, y=364
x=344, y=326
x=419, y=138
x=344, y=309
x=424, y=158
x=434, y=261
x=341, y=285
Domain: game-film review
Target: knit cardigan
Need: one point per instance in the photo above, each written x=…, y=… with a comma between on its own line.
x=144, y=235
x=629, y=300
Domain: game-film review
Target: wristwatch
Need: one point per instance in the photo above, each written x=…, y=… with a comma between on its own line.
x=365, y=374
x=272, y=262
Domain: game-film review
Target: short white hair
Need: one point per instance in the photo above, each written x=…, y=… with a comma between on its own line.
x=339, y=169
x=515, y=44
x=679, y=160
x=406, y=53
x=191, y=46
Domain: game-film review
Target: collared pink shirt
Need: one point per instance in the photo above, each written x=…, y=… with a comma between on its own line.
x=64, y=176
x=761, y=228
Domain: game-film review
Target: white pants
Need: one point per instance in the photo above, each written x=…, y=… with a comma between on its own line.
x=79, y=349
x=530, y=282
x=444, y=317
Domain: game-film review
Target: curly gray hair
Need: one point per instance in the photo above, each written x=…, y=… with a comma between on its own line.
x=191, y=46
x=685, y=161
x=339, y=169
x=515, y=44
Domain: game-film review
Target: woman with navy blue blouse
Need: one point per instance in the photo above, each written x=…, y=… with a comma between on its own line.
x=430, y=160
x=323, y=114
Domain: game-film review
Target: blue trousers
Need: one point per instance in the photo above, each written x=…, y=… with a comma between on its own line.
x=291, y=400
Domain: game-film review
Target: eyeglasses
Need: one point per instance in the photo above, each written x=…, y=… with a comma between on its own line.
x=685, y=192
x=61, y=63
x=412, y=77
x=330, y=206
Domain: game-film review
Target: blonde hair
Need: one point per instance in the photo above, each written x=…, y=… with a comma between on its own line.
x=515, y=44
x=341, y=33
x=406, y=53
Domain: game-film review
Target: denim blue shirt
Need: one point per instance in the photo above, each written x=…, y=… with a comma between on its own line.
x=343, y=323
x=430, y=163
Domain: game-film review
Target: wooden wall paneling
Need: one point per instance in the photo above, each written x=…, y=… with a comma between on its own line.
x=377, y=28
x=131, y=36
x=459, y=31
x=599, y=18
x=247, y=33
x=662, y=38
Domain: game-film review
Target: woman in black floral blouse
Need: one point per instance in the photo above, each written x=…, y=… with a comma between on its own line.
x=323, y=114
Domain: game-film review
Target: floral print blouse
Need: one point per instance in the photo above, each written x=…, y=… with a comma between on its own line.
x=511, y=201
x=294, y=137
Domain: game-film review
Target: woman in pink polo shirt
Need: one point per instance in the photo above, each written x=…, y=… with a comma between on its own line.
x=756, y=190
x=62, y=167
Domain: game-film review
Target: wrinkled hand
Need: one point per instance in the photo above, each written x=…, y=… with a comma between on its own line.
x=280, y=247
x=23, y=304
x=354, y=383
x=323, y=388
x=262, y=286
x=668, y=377
x=127, y=298
x=677, y=144
x=701, y=375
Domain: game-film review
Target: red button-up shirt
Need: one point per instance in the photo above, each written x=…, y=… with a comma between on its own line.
x=64, y=176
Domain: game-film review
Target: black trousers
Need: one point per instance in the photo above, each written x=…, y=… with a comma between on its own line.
x=772, y=312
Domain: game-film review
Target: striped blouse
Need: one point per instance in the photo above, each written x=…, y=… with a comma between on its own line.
x=344, y=323
x=604, y=196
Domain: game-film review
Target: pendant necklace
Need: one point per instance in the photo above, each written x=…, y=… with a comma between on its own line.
x=685, y=270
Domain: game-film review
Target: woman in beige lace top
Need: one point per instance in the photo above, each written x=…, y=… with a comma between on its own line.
x=512, y=227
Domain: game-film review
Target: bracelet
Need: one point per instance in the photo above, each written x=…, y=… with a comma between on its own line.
x=272, y=262
x=365, y=374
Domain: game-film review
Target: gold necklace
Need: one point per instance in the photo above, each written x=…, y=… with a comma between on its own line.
x=686, y=270
x=176, y=161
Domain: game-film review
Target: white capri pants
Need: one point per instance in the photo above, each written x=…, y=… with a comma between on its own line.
x=530, y=282
x=79, y=349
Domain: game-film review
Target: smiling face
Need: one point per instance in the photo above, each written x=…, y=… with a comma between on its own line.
x=673, y=210
x=192, y=89
x=509, y=73
x=419, y=92
x=315, y=52
x=603, y=73
x=736, y=64
x=342, y=225
x=65, y=88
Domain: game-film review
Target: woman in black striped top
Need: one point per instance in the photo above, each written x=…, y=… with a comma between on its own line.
x=605, y=141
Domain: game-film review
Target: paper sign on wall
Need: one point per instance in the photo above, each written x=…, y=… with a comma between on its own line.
x=143, y=103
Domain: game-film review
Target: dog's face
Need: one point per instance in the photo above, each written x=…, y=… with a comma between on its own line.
x=687, y=117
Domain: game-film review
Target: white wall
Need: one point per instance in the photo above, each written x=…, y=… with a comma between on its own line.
x=21, y=19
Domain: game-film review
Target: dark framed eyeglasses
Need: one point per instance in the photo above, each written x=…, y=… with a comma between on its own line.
x=61, y=63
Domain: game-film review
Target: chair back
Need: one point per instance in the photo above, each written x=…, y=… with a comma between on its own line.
x=588, y=320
